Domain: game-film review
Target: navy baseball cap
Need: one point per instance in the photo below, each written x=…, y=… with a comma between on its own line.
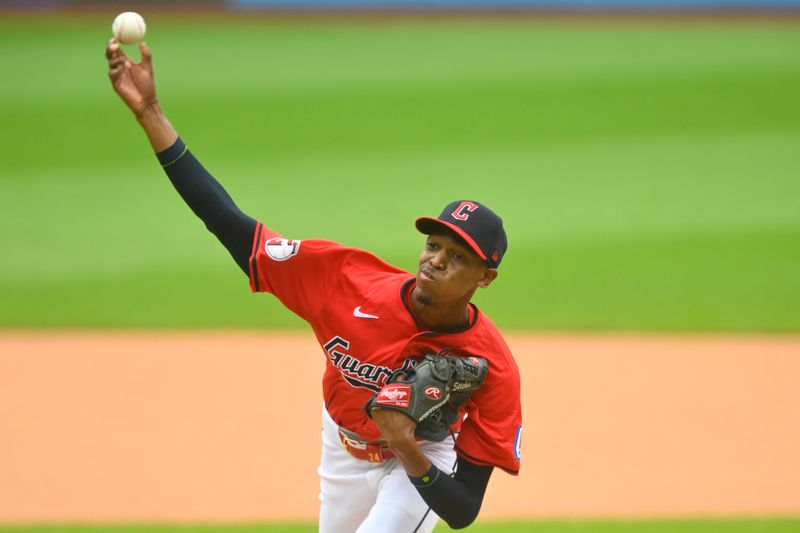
x=479, y=226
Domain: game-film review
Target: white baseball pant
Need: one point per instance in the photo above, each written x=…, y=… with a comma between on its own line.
x=357, y=496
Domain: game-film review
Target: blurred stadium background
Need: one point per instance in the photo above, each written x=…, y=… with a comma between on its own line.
x=643, y=153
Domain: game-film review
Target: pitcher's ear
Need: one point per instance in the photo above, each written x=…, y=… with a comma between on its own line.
x=488, y=277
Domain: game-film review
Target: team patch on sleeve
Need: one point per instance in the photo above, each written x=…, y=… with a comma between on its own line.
x=280, y=249
x=518, y=443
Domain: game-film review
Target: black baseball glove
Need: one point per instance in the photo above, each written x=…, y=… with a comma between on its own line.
x=432, y=392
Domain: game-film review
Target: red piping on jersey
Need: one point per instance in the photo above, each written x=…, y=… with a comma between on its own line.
x=405, y=296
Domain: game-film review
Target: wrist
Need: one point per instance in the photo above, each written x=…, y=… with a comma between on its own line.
x=172, y=154
x=427, y=479
x=151, y=111
x=159, y=131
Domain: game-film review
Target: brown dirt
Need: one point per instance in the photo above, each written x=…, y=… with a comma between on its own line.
x=220, y=426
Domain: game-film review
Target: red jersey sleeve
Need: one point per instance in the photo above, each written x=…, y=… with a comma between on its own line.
x=491, y=433
x=298, y=273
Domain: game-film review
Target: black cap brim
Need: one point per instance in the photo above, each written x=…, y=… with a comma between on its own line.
x=428, y=225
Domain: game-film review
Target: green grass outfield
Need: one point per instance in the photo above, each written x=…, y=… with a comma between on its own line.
x=784, y=525
x=648, y=172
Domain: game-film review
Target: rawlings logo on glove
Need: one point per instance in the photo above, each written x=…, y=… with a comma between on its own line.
x=394, y=396
x=432, y=392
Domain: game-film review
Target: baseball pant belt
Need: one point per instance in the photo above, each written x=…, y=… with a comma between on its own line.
x=374, y=452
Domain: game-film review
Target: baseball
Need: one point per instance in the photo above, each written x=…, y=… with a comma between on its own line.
x=128, y=27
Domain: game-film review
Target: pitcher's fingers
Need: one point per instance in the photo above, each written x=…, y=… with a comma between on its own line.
x=111, y=47
x=116, y=61
x=147, y=57
x=116, y=72
x=113, y=50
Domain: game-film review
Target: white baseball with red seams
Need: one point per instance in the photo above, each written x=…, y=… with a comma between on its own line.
x=129, y=27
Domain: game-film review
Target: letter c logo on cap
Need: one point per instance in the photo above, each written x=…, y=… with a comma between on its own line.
x=462, y=211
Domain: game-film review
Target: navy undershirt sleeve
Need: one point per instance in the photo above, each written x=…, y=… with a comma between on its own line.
x=209, y=201
x=457, y=500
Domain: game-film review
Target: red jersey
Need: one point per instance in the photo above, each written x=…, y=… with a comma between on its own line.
x=359, y=308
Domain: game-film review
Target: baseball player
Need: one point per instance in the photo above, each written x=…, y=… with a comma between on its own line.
x=374, y=322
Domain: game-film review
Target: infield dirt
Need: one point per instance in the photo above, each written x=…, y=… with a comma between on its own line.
x=225, y=426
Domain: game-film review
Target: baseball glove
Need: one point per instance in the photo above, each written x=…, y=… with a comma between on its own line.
x=432, y=392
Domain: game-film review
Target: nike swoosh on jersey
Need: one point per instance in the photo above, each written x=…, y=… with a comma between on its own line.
x=357, y=313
